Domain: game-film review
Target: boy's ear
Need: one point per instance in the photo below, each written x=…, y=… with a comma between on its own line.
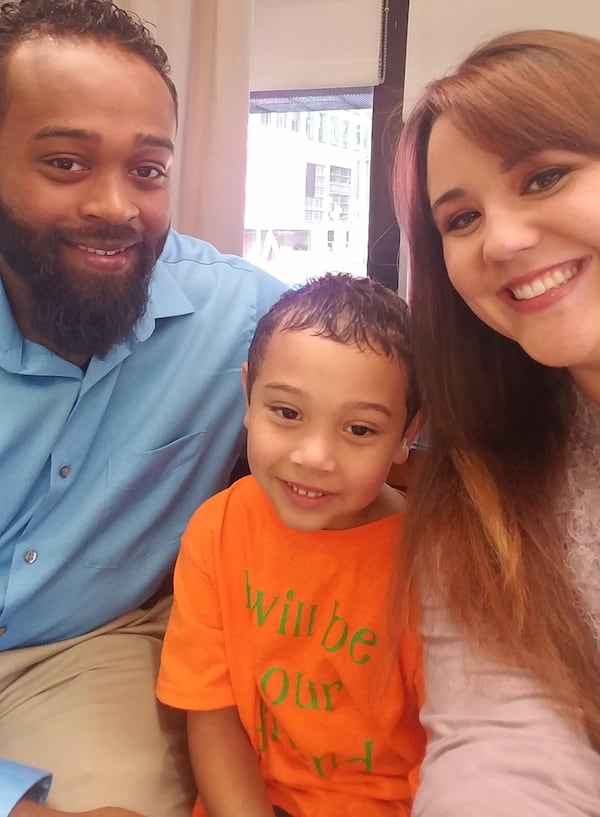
x=410, y=434
x=244, y=375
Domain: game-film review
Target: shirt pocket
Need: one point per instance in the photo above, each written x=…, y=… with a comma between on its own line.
x=138, y=471
x=149, y=496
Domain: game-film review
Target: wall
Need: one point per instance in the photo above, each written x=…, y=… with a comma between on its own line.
x=441, y=33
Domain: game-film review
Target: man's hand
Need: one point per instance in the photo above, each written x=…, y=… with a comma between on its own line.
x=27, y=808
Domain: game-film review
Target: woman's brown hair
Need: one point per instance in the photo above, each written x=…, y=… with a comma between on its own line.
x=481, y=531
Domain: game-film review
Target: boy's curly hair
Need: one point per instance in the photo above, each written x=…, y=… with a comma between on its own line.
x=353, y=311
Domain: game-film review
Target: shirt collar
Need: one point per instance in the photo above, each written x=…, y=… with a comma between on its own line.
x=20, y=356
x=166, y=300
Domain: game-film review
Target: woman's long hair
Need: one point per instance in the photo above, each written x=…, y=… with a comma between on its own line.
x=482, y=531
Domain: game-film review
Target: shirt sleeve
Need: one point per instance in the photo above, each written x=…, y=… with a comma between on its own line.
x=496, y=744
x=18, y=782
x=194, y=672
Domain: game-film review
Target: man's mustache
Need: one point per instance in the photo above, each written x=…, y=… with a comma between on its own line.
x=124, y=233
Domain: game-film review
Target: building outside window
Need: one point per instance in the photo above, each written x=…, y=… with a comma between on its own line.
x=307, y=191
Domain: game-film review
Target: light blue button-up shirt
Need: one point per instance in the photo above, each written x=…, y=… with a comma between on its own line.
x=100, y=470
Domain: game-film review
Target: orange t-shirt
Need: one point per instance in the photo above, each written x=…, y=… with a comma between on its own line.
x=291, y=627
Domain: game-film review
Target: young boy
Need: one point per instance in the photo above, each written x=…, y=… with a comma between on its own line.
x=299, y=700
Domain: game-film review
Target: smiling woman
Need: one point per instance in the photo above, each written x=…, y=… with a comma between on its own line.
x=518, y=240
x=498, y=184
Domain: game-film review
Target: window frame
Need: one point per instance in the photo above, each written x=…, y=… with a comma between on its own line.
x=388, y=96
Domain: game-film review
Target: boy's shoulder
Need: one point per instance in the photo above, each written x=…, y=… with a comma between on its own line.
x=245, y=503
x=242, y=493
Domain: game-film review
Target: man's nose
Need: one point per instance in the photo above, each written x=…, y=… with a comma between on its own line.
x=110, y=199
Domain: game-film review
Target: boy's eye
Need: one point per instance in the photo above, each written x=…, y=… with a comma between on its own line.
x=545, y=179
x=360, y=431
x=285, y=413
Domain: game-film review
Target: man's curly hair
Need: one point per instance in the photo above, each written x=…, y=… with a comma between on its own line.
x=98, y=20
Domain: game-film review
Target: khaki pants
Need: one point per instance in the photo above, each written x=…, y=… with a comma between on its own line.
x=85, y=710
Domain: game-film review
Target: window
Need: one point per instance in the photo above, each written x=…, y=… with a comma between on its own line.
x=346, y=134
x=314, y=201
x=307, y=199
x=323, y=128
x=335, y=131
x=339, y=208
x=340, y=175
x=276, y=188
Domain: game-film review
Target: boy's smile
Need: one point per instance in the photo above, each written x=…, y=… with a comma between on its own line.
x=325, y=423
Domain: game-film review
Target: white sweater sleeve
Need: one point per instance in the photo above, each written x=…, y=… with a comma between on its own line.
x=497, y=745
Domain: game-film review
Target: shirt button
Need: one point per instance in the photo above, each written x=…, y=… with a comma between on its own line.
x=65, y=471
x=30, y=556
x=2, y=629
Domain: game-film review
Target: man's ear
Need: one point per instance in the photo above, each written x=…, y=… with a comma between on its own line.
x=244, y=375
x=411, y=432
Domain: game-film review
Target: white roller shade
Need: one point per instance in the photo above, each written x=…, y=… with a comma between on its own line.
x=441, y=33
x=302, y=44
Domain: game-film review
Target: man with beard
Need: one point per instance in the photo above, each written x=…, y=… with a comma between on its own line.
x=121, y=344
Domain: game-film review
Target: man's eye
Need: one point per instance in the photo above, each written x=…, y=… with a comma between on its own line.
x=149, y=172
x=64, y=163
x=545, y=180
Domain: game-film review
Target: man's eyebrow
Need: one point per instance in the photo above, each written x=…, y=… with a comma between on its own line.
x=58, y=132
x=154, y=141
x=141, y=139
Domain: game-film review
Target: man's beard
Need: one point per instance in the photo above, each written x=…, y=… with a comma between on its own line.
x=77, y=312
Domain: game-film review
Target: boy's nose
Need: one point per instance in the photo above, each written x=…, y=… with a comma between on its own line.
x=314, y=451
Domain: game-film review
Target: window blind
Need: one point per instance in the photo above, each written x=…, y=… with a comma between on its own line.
x=302, y=44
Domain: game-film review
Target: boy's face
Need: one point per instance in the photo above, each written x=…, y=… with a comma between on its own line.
x=325, y=423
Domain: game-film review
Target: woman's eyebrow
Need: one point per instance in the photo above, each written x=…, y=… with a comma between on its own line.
x=449, y=195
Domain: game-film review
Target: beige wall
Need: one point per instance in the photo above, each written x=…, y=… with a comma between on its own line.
x=166, y=28
x=442, y=32
x=208, y=43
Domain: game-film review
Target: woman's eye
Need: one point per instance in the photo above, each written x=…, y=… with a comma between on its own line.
x=462, y=220
x=545, y=180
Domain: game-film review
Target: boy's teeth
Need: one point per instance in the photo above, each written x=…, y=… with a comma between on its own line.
x=303, y=492
x=553, y=279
